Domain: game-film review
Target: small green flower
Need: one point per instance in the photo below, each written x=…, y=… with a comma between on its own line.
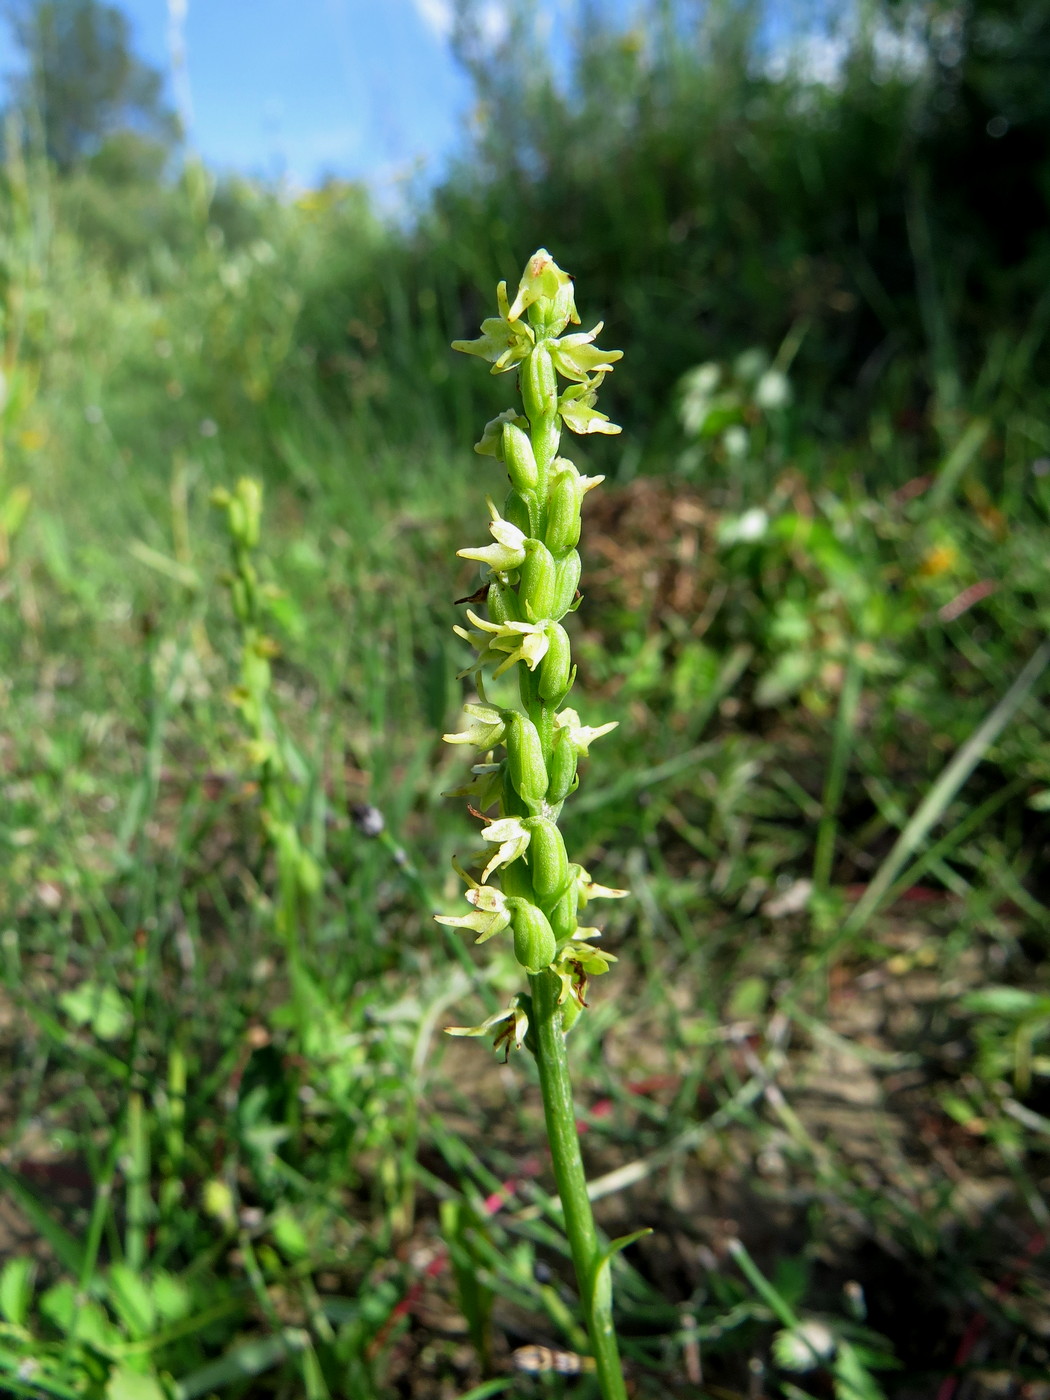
x=491, y=914
x=578, y=960
x=587, y=889
x=485, y=728
x=576, y=406
x=507, y=553
x=513, y=1026
x=577, y=357
x=582, y=736
x=504, y=340
x=544, y=280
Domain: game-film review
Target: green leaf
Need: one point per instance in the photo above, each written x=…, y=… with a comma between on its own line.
x=16, y=1290
x=290, y=1236
x=125, y=1384
x=78, y=1318
x=100, y=1007
x=748, y=999
x=171, y=1297
x=602, y=1282
x=131, y=1300
x=853, y=1380
x=1009, y=1002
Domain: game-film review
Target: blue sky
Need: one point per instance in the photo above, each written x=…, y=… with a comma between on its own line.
x=300, y=89
x=303, y=88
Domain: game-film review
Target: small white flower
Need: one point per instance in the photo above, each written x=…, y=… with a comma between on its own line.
x=772, y=390
x=735, y=440
x=746, y=528
x=512, y=839
x=804, y=1347
x=525, y=641
x=507, y=553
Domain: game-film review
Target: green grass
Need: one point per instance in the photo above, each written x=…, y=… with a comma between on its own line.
x=256, y=1189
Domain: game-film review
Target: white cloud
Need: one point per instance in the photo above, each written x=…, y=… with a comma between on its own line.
x=437, y=15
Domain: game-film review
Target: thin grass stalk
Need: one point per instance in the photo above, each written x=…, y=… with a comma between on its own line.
x=838, y=767
x=931, y=809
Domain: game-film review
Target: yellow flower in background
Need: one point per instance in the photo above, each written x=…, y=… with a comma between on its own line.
x=939, y=559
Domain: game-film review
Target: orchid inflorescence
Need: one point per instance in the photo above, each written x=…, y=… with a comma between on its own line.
x=530, y=576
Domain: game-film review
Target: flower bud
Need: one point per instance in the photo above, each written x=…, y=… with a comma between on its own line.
x=563, y=915
x=547, y=858
x=538, y=579
x=567, y=578
x=528, y=772
x=491, y=441
x=564, y=761
x=516, y=881
x=247, y=506
x=570, y=1014
x=517, y=512
x=519, y=457
x=539, y=385
x=556, y=666
x=563, y=513
x=534, y=943
x=502, y=602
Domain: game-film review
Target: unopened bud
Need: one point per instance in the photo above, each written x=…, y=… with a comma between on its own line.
x=547, y=858
x=528, y=772
x=517, y=512
x=563, y=513
x=502, y=602
x=567, y=580
x=563, y=915
x=556, y=666
x=520, y=459
x=516, y=880
x=539, y=385
x=564, y=761
x=538, y=580
x=534, y=943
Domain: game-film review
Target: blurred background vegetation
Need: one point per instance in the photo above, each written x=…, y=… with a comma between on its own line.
x=816, y=598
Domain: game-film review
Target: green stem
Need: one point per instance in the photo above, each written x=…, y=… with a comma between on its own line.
x=556, y=1088
x=835, y=783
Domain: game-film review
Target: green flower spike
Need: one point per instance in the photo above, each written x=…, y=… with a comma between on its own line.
x=529, y=583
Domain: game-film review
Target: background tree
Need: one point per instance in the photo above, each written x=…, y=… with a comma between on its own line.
x=81, y=80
